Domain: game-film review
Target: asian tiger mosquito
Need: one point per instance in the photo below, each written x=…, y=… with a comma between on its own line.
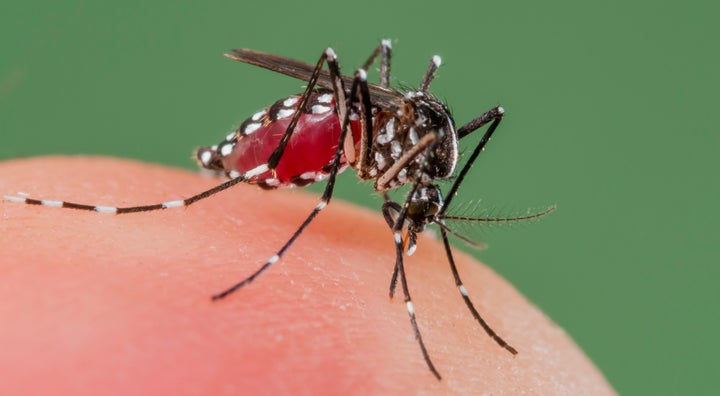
x=395, y=137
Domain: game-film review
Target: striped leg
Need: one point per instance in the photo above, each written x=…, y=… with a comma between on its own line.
x=400, y=271
x=141, y=208
x=385, y=52
x=466, y=298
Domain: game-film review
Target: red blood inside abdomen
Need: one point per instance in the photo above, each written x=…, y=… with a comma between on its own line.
x=311, y=147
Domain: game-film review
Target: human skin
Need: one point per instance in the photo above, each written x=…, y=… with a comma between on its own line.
x=95, y=303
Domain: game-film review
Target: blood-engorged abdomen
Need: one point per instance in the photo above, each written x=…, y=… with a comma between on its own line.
x=308, y=155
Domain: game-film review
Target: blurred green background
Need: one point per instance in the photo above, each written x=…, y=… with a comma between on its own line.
x=611, y=114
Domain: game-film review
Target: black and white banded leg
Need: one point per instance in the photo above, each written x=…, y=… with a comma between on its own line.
x=400, y=270
x=494, y=115
x=140, y=208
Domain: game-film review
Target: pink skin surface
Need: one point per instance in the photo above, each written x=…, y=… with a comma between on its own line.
x=117, y=305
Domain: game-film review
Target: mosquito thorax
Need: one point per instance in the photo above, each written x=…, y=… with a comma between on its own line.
x=398, y=130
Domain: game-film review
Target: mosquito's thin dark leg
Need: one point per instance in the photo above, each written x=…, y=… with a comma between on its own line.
x=360, y=78
x=384, y=50
x=400, y=269
x=338, y=86
x=366, y=136
x=495, y=115
x=430, y=73
x=387, y=207
x=466, y=298
x=397, y=227
x=141, y=208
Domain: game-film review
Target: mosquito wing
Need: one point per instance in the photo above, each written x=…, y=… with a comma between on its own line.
x=384, y=97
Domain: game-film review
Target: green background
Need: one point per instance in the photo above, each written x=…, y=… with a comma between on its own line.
x=611, y=115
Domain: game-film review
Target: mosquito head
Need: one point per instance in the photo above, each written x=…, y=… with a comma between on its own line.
x=425, y=204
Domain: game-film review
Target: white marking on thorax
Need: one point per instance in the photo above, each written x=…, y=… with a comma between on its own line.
x=413, y=136
x=395, y=149
x=389, y=133
x=380, y=161
x=402, y=175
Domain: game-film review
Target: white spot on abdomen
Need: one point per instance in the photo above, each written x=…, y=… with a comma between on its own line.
x=205, y=157
x=226, y=149
x=250, y=128
x=257, y=116
x=285, y=113
x=320, y=109
x=290, y=101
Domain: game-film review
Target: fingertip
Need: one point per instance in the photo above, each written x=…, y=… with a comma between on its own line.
x=97, y=295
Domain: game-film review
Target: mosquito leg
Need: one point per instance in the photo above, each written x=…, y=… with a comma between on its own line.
x=366, y=120
x=384, y=50
x=141, y=208
x=400, y=270
x=387, y=207
x=495, y=115
x=360, y=78
x=468, y=302
x=426, y=143
x=430, y=73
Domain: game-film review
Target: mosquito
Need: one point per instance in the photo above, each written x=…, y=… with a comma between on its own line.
x=389, y=136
